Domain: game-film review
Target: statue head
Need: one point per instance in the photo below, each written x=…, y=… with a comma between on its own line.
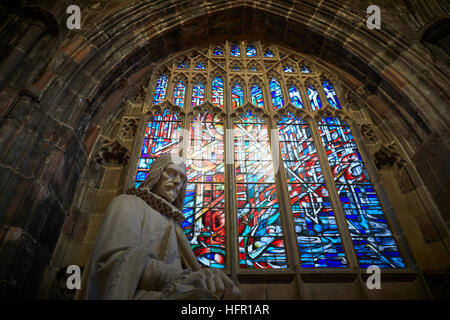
x=167, y=179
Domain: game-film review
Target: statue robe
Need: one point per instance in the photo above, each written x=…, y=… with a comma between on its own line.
x=136, y=247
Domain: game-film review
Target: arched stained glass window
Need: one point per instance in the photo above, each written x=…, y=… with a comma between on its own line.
x=179, y=93
x=160, y=90
x=237, y=95
x=277, y=95
x=204, y=206
x=198, y=94
x=296, y=98
x=286, y=181
x=331, y=94
x=372, y=239
x=257, y=96
x=317, y=234
x=162, y=135
x=260, y=235
x=314, y=98
x=217, y=92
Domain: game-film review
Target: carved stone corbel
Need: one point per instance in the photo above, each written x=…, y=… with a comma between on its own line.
x=112, y=154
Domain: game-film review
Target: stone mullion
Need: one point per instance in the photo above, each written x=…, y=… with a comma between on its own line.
x=334, y=197
x=287, y=222
x=230, y=202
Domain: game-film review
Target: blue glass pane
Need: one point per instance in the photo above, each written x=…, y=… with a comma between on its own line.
x=251, y=50
x=217, y=92
x=178, y=94
x=198, y=94
x=235, y=51
x=331, y=95
x=268, y=54
x=183, y=65
x=218, y=51
x=295, y=96
x=200, y=66
x=305, y=69
x=160, y=90
x=287, y=68
x=314, y=98
x=257, y=96
x=237, y=96
x=277, y=96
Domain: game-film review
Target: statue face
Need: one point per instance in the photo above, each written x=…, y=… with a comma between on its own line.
x=171, y=181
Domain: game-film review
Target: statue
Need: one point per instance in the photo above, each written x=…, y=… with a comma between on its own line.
x=141, y=251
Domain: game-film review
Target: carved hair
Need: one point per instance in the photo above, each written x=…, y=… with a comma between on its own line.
x=156, y=170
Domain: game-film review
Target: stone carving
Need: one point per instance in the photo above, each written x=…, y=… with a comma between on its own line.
x=141, y=251
x=129, y=128
x=140, y=95
x=368, y=133
x=387, y=157
x=112, y=154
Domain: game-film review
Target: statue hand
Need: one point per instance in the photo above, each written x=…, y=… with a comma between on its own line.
x=215, y=281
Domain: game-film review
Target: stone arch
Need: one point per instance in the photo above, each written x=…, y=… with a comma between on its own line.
x=102, y=66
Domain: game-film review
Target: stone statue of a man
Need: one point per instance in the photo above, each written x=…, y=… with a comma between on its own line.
x=141, y=251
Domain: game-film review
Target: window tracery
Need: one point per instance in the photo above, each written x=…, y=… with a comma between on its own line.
x=301, y=189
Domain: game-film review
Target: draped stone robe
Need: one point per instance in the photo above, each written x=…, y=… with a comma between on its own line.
x=139, y=254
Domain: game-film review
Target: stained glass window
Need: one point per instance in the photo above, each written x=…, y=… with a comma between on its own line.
x=198, y=94
x=204, y=205
x=218, y=51
x=277, y=96
x=237, y=95
x=260, y=236
x=251, y=50
x=314, y=98
x=287, y=68
x=257, y=96
x=183, y=65
x=331, y=94
x=162, y=135
x=372, y=239
x=217, y=92
x=305, y=69
x=318, y=195
x=268, y=53
x=160, y=90
x=200, y=66
x=235, y=50
x=317, y=233
x=178, y=94
x=295, y=96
